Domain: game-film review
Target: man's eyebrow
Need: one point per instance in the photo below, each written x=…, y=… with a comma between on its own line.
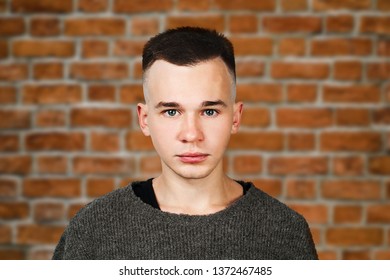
x=214, y=103
x=167, y=104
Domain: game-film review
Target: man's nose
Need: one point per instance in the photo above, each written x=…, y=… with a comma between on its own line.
x=191, y=130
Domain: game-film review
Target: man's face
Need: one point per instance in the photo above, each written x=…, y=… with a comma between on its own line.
x=190, y=115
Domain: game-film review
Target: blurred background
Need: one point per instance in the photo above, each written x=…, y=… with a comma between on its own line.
x=314, y=76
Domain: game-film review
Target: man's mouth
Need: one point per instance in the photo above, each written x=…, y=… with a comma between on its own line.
x=192, y=157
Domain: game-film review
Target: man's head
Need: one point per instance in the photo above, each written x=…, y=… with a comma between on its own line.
x=190, y=109
x=188, y=46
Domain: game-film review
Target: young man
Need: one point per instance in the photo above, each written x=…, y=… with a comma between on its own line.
x=192, y=210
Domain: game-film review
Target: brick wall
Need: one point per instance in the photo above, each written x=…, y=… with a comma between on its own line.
x=314, y=76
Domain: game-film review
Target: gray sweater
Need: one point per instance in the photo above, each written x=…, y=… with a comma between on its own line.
x=120, y=226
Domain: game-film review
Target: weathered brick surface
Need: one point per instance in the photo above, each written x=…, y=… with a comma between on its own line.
x=313, y=76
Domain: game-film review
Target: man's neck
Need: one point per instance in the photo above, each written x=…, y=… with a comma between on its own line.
x=202, y=196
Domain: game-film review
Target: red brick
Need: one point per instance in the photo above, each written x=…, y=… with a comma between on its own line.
x=354, y=94
x=12, y=254
x=326, y=5
x=13, y=72
x=55, y=141
x=138, y=6
x=345, y=214
x=48, y=70
x=48, y=212
x=102, y=165
x=382, y=255
x=51, y=94
x=73, y=209
x=387, y=190
x=316, y=234
x=379, y=165
x=99, y=186
x=381, y=116
x=60, y=188
x=352, y=117
x=375, y=25
x=301, y=189
x=137, y=70
x=351, y=189
x=5, y=234
x=150, y=165
x=39, y=234
x=264, y=141
x=41, y=6
x=11, y=26
x=104, y=141
x=40, y=254
x=383, y=5
x=249, y=68
x=14, y=119
x=297, y=5
x=354, y=236
x=300, y=70
x=256, y=117
x=3, y=49
x=29, y=48
x=334, y=47
x=103, y=117
x=131, y=94
x=348, y=70
x=298, y=165
x=136, y=141
x=93, y=6
x=292, y=46
x=247, y=164
x=50, y=118
x=8, y=188
x=94, y=27
x=52, y=164
x=252, y=46
x=327, y=255
x=7, y=94
x=351, y=141
x=301, y=93
x=378, y=213
x=339, y=23
x=348, y=166
x=14, y=210
x=264, y=5
x=9, y=143
x=259, y=93
x=312, y=118
x=45, y=26
x=99, y=71
x=314, y=214
x=101, y=93
x=378, y=71
x=300, y=141
x=356, y=255
x=206, y=21
x=141, y=26
x=3, y=5
x=246, y=23
x=193, y=6
x=129, y=47
x=384, y=47
x=289, y=24
x=94, y=48
x=272, y=187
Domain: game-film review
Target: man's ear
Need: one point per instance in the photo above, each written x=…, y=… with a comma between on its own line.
x=237, y=113
x=142, y=111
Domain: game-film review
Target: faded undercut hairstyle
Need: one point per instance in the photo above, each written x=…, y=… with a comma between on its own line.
x=188, y=46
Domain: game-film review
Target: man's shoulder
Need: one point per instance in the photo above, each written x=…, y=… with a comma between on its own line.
x=271, y=208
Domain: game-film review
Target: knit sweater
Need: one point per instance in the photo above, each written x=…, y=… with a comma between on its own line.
x=120, y=226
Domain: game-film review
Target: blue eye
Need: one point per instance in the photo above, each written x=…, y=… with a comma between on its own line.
x=210, y=112
x=171, y=112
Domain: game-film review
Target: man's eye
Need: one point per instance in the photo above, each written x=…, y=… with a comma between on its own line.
x=171, y=112
x=210, y=112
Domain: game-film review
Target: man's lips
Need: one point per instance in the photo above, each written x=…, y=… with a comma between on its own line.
x=192, y=157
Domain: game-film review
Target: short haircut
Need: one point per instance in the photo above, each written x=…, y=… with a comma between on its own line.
x=188, y=46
